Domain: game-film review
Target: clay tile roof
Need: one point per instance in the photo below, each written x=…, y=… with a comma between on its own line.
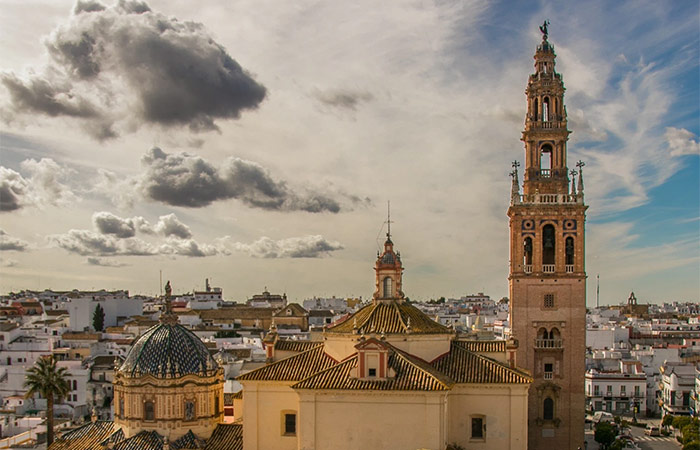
x=293, y=368
x=87, y=437
x=81, y=336
x=295, y=310
x=483, y=346
x=296, y=346
x=412, y=374
x=145, y=440
x=391, y=318
x=226, y=437
x=464, y=366
x=238, y=395
x=187, y=441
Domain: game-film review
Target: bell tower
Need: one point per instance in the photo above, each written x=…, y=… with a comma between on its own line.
x=547, y=277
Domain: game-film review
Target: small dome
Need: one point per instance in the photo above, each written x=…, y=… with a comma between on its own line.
x=388, y=258
x=168, y=350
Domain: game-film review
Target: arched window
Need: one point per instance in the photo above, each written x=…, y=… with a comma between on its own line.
x=548, y=409
x=554, y=333
x=527, y=255
x=387, y=288
x=548, y=244
x=546, y=160
x=535, y=108
x=542, y=334
x=149, y=411
x=569, y=251
x=545, y=110
x=121, y=406
x=189, y=410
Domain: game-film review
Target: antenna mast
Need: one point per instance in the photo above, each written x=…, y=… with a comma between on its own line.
x=388, y=219
x=597, y=291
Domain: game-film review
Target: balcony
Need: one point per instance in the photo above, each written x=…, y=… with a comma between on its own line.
x=549, y=375
x=550, y=199
x=569, y=268
x=528, y=268
x=548, y=268
x=548, y=343
x=545, y=173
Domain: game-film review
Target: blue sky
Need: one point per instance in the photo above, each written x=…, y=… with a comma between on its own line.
x=257, y=143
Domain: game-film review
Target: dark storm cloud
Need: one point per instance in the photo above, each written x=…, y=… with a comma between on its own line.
x=108, y=223
x=343, y=98
x=187, y=180
x=8, y=243
x=13, y=187
x=296, y=247
x=125, y=63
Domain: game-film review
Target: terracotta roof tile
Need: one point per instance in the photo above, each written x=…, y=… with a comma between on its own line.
x=226, y=437
x=464, y=366
x=293, y=368
x=391, y=318
x=412, y=374
x=87, y=437
x=295, y=346
x=483, y=346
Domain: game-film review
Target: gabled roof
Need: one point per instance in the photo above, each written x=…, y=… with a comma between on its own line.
x=226, y=436
x=295, y=310
x=392, y=317
x=187, y=441
x=464, y=366
x=145, y=440
x=294, y=368
x=412, y=374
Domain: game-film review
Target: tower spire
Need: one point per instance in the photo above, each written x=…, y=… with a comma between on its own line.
x=388, y=220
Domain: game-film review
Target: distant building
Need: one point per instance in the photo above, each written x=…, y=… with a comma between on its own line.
x=676, y=388
x=267, y=300
x=622, y=391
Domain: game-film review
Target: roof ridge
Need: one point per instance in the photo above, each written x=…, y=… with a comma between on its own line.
x=280, y=361
x=398, y=312
x=492, y=361
x=347, y=360
x=416, y=362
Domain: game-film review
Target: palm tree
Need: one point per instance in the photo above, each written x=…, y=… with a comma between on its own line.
x=49, y=381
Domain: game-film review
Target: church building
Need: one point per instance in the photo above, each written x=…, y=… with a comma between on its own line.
x=387, y=377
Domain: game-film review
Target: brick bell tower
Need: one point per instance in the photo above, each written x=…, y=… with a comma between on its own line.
x=547, y=277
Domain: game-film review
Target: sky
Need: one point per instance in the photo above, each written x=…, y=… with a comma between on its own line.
x=257, y=143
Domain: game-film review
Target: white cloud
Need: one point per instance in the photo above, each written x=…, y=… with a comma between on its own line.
x=682, y=142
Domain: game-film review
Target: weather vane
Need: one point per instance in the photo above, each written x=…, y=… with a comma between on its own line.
x=543, y=29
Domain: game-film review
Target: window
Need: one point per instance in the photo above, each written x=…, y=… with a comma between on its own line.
x=548, y=409
x=548, y=371
x=189, y=410
x=549, y=301
x=623, y=390
x=609, y=390
x=545, y=106
x=149, y=412
x=75, y=385
x=121, y=407
x=216, y=405
x=596, y=391
x=478, y=428
x=569, y=247
x=636, y=391
x=548, y=245
x=387, y=287
x=527, y=254
x=290, y=424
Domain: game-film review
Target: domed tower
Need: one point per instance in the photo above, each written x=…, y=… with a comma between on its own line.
x=168, y=383
x=389, y=270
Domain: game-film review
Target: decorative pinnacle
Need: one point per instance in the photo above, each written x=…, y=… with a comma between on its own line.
x=515, y=164
x=580, y=165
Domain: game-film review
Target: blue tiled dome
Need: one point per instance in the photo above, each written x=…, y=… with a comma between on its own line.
x=168, y=350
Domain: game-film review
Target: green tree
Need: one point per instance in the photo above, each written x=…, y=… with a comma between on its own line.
x=668, y=420
x=694, y=445
x=49, y=381
x=604, y=434
x=98, y=318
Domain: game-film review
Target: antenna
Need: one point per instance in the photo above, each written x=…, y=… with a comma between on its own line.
x=597, y=291
x=160, y=282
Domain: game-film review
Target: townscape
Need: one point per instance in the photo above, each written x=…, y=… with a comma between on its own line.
x=545, y=367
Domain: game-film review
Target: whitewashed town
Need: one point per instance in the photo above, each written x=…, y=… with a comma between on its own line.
x=642, y=359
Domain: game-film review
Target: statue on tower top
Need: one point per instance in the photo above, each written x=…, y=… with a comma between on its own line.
x=543, y=29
